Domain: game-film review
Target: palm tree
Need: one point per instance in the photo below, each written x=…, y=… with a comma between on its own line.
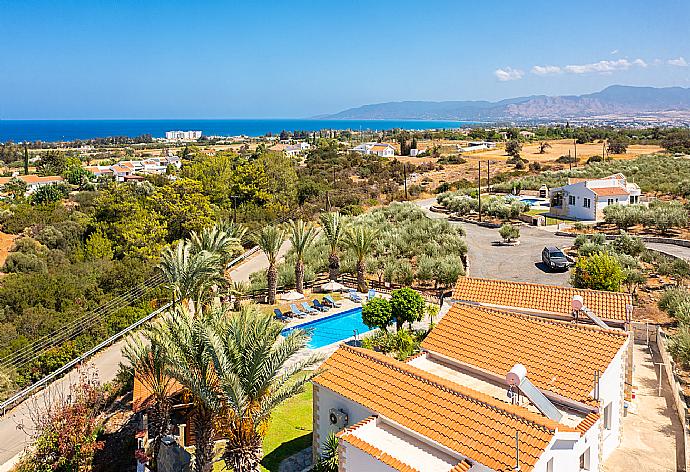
x=216, y=241
x=328, y=459
x=256, y=373
x=361, y=240
x=302, y=237
x=234, y=230
x=238, y=290
x=269, y=239
x=333, y=228
x=182, y=336
x=191, y=275
x=149, y=364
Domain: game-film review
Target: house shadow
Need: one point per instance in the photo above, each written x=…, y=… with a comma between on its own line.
x=272, y=460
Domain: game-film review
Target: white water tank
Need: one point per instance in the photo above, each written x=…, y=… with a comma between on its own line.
x=516, y=375
x=578, y=302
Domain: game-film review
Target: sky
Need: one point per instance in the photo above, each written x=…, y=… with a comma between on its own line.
x=153, y=59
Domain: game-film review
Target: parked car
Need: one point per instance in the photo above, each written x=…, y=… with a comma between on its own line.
x=554, y=259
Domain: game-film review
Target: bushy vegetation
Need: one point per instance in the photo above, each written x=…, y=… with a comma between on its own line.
x=653, y=173
x=598, y=271
x=497, y=206
x=408, y=247
x=509, y=232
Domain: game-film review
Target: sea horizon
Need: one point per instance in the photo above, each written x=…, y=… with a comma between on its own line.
x=84, y=129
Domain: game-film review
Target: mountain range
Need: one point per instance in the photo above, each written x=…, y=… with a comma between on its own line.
x=614, y=102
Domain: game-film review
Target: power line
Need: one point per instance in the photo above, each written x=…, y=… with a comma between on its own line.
x=77, y=326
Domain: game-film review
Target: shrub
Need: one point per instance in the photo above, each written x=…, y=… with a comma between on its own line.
x=376, y=313
x=665, y=215
x=599, y=271
x=20, y=262
x=509, y=232
x=596, y=238
x=672, y=298
x=630, y=245
x=407, y=306
x=679, y=347
x=624, y=216
x=633, y=279
x=589, y=248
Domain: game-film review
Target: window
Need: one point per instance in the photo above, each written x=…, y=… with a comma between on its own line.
x=587, y=202
x=584, y=460
x=634, y=199
x=571, y=200
x=549, y=465
x=607, y=416
x=610, y=201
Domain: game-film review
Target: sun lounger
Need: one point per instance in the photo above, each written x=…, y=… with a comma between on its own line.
x=319, y=306
x=327, y=299
x=352, y=295
x=280, y=315
x=296, y=311
x=308, y=309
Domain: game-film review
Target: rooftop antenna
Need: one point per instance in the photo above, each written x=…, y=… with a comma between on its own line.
x=596, y=385
x=517, y=377
x=578, y=305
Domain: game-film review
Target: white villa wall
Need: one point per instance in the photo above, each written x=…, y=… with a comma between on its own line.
x=578, y=210
x=565, y=452
x=353, y=459
x=325, y=399
x=612, y=391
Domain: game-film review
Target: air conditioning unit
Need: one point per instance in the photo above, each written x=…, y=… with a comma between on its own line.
x=338, y=418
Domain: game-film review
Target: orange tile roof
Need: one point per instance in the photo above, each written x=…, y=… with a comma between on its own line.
x=347, y=436
x=587, y=422
x=576, y=180
x=471, y=423
x=609, y=191
x=142, y=394
x=560, y=356
x=541, y=298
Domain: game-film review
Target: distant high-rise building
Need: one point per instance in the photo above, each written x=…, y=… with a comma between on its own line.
x=182, y=135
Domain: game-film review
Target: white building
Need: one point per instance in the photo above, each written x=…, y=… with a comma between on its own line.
x=416, y=152
x=585, y=199
x=380, y=149
x=451, y=408
x=296, y=149
x=34, y=182
x=182, y=135
x=477, y=146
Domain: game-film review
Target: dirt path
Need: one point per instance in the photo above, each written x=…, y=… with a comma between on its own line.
x=6, y=241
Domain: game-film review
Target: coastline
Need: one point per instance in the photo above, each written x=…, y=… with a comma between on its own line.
x=70, y=130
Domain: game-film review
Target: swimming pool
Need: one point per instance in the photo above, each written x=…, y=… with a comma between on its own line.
x=534, y=201
x=333, y=328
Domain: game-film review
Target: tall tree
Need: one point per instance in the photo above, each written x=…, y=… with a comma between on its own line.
x=149, y=363
x=360, y=239
x=333, y=229
x=191, y=275
x=269, y=239
x=253, y=362
x=216, y=241
x=301, y=237
x=183, y=338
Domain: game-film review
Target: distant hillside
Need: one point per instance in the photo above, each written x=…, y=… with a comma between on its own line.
x=616, y=100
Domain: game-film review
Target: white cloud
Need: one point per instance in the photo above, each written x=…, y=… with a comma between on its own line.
x=680, y=62
x=546, y=70
x=508, y=74
x=614, y=52
x=604, y=66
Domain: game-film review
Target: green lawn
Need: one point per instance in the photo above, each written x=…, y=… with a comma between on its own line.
x=288, y=433
x=549, y=219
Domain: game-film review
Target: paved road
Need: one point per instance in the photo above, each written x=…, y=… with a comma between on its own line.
x=520, y=263
x=16, y=426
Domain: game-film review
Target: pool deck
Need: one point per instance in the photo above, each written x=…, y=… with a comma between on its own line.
x=346, y=305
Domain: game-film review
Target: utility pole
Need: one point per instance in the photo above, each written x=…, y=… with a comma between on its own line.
x=575, y=141
x=479, y=190
x=405, y=179
x=570, y=161
x=603, y=151
x=234, y=207
x=26, y=158
x=488, y=175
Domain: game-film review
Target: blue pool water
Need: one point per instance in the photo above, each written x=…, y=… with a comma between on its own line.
x=333, y=328
x=533, y=201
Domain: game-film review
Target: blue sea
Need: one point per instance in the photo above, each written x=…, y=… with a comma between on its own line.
x=68, y=130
